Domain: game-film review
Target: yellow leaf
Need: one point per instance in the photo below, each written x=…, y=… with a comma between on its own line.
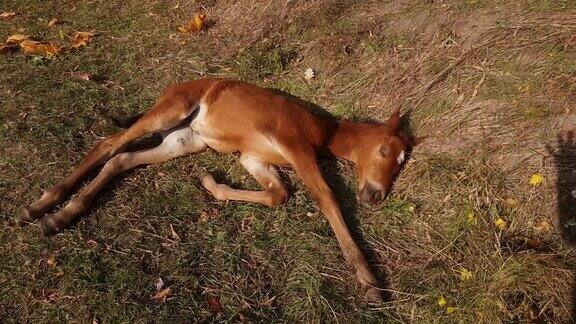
x=194, y=25
x=450, y=310
x=53, y=22
x=16, y=39
x=441, y=301
x=39, y=48
x=500, y=224
x=471, y=218
x=7, y=14
x=543, y=226
x=465, y=274
x=536, y=179
x=81, y=39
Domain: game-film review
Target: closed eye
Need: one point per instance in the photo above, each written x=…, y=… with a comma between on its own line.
x=384, y=151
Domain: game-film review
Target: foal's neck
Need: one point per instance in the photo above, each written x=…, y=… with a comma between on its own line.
x=345, y=139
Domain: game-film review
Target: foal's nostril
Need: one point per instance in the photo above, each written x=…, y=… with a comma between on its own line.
x=376, y=196
x=371, y=196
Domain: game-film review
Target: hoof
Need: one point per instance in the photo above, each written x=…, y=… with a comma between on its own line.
x=374, y=296
x=28, y=215
x=48, y=226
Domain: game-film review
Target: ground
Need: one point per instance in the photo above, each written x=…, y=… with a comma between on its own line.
x=464, y=237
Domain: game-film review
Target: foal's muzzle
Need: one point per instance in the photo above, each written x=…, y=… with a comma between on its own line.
x=371, y=196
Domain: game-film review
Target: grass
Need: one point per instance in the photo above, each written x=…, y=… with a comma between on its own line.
x=487, y=123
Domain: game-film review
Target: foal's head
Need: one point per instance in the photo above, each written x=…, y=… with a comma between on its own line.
x=380, y=155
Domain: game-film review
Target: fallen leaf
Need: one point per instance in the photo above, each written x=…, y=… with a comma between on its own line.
x=214, y=305
x=194, y=25
x=500, y=224
x=465, y=274
x=39, y=48
x=471, y=218
x=534, y=243
x=53, y=22
x=60, y=273
x=16, y=39
x=543, y=226
x=536, y=179
x=81, y=75
x=7, y=14
x=81, y=39
x=51, y=261
x=441, y=301
x=159, y=284
x=174, y=234
x=450, y=310
x=162, y=295
x=309, y=74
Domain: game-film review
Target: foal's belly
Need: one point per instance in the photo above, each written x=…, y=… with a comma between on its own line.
x=226, y=136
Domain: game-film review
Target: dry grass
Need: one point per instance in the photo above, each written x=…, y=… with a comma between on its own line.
x=491, y=83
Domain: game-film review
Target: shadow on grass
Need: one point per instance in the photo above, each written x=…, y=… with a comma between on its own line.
x=564, y=155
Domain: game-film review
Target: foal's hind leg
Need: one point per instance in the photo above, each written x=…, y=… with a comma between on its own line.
x=274, y=192
x=177, y=143
x=168, y=112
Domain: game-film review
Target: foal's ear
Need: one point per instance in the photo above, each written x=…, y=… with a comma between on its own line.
x=394, y=121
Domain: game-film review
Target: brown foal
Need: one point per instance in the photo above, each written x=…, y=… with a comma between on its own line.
x=267, y=129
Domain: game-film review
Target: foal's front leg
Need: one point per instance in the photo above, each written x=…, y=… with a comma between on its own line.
x=305, y=163
x=178, y=142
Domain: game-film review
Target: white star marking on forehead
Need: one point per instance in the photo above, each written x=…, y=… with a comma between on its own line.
x=400, y=157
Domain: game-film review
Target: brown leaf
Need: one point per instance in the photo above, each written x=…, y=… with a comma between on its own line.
x=162, y=295
x=39, y=48
x=51, y=261
x=16, y=39
x=53, y=22
x=214, y=305
x=81, y=38
x=7, y=14
x=194, y=25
